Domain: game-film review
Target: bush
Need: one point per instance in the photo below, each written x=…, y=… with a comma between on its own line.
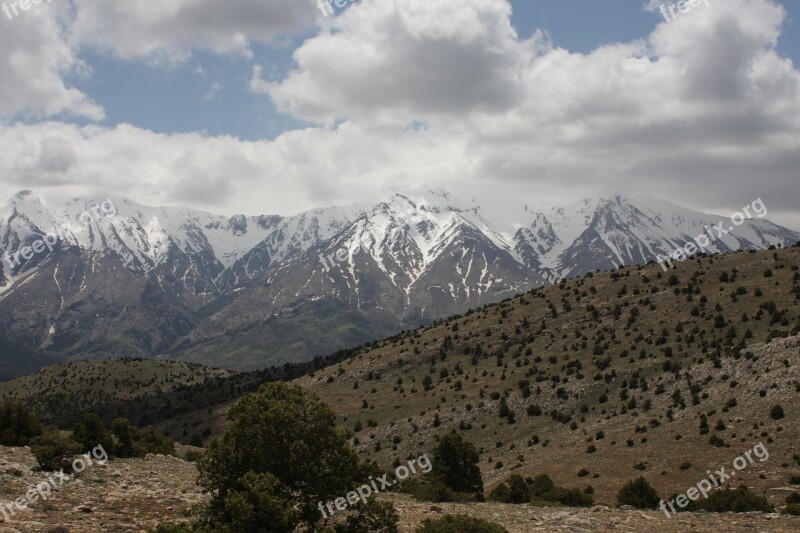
x=740, y=500
x=92, y=432
x=18, y=425
x=542, y=490
x=638, y=493
x=52, y=449
x=135, y=442
x=374, y=517
x=301, y=459
x=433, y=490
x=793, y=509
x=776, y=413
x=459, y=524
x=513, y=490
x=456, y=463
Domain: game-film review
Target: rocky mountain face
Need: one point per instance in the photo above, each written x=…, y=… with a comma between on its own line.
x=106, y=277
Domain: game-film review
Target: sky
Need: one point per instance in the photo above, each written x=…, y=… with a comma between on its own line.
x=279, y=106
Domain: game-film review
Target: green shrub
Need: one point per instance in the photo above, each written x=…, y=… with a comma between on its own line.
x=18, y=425
x=543, y=492
x=638, y=493
x=192, y=456
x=135, y=442
x=52, y=449
x=374, y=517
x=281, y=456
x=432, y=490
x=456, y=463
x=513, y=490
x=92, y=432
x=459, y=524
x=740, y=500
x=793, y=509
x=150, y=440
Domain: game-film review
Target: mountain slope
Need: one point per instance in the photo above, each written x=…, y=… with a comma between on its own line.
x=129, y=280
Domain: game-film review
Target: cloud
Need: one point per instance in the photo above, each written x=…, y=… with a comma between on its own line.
x=388, y=60
x=703, y=111
x=170, y=30
x=35, y=58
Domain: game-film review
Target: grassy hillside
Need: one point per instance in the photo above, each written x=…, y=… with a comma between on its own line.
x=593, y=382
x=61, y=393
x=606, y=378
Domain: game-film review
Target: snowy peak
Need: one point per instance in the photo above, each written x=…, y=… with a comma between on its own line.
x=566, y=241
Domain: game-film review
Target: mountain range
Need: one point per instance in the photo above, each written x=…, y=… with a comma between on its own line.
x=246, y=292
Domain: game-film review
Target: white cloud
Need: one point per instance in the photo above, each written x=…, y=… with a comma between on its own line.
x=170, y=30
x=444, y=92
x=34, y=59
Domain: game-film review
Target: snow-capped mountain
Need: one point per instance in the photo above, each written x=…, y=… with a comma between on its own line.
x=571, y=240
x=247, y=291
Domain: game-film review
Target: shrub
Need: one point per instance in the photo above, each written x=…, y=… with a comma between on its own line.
x=513, y=490
x=740, y=500
x=793, y=509
x=18, y=425
x=374, y=517
x=459, y=524
x=302, y=459
x=638, y=493
x=92, y=432
x=430, y=489
x=135, y=442
x=776, y=413
x=52, y=448
x=544, y=491
x=456, y=463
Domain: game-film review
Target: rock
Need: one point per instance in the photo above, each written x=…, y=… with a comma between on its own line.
x=627, y=508
x=14, y=469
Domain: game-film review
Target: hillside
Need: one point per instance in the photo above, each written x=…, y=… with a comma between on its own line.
x=61, y=393
x=606, y=377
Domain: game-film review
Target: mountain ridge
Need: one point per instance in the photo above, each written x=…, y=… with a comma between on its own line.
x=356, y=273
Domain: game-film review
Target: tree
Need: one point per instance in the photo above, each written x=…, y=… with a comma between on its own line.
x=52, y=448
x=638, y=493
x=92, y=432
x=283, y=450
x=18, y=425
x=456, y=465
x=126, y=434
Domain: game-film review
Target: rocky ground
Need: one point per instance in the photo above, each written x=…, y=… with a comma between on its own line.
x=527, y=519
x=125, y=495
x=134, y=495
